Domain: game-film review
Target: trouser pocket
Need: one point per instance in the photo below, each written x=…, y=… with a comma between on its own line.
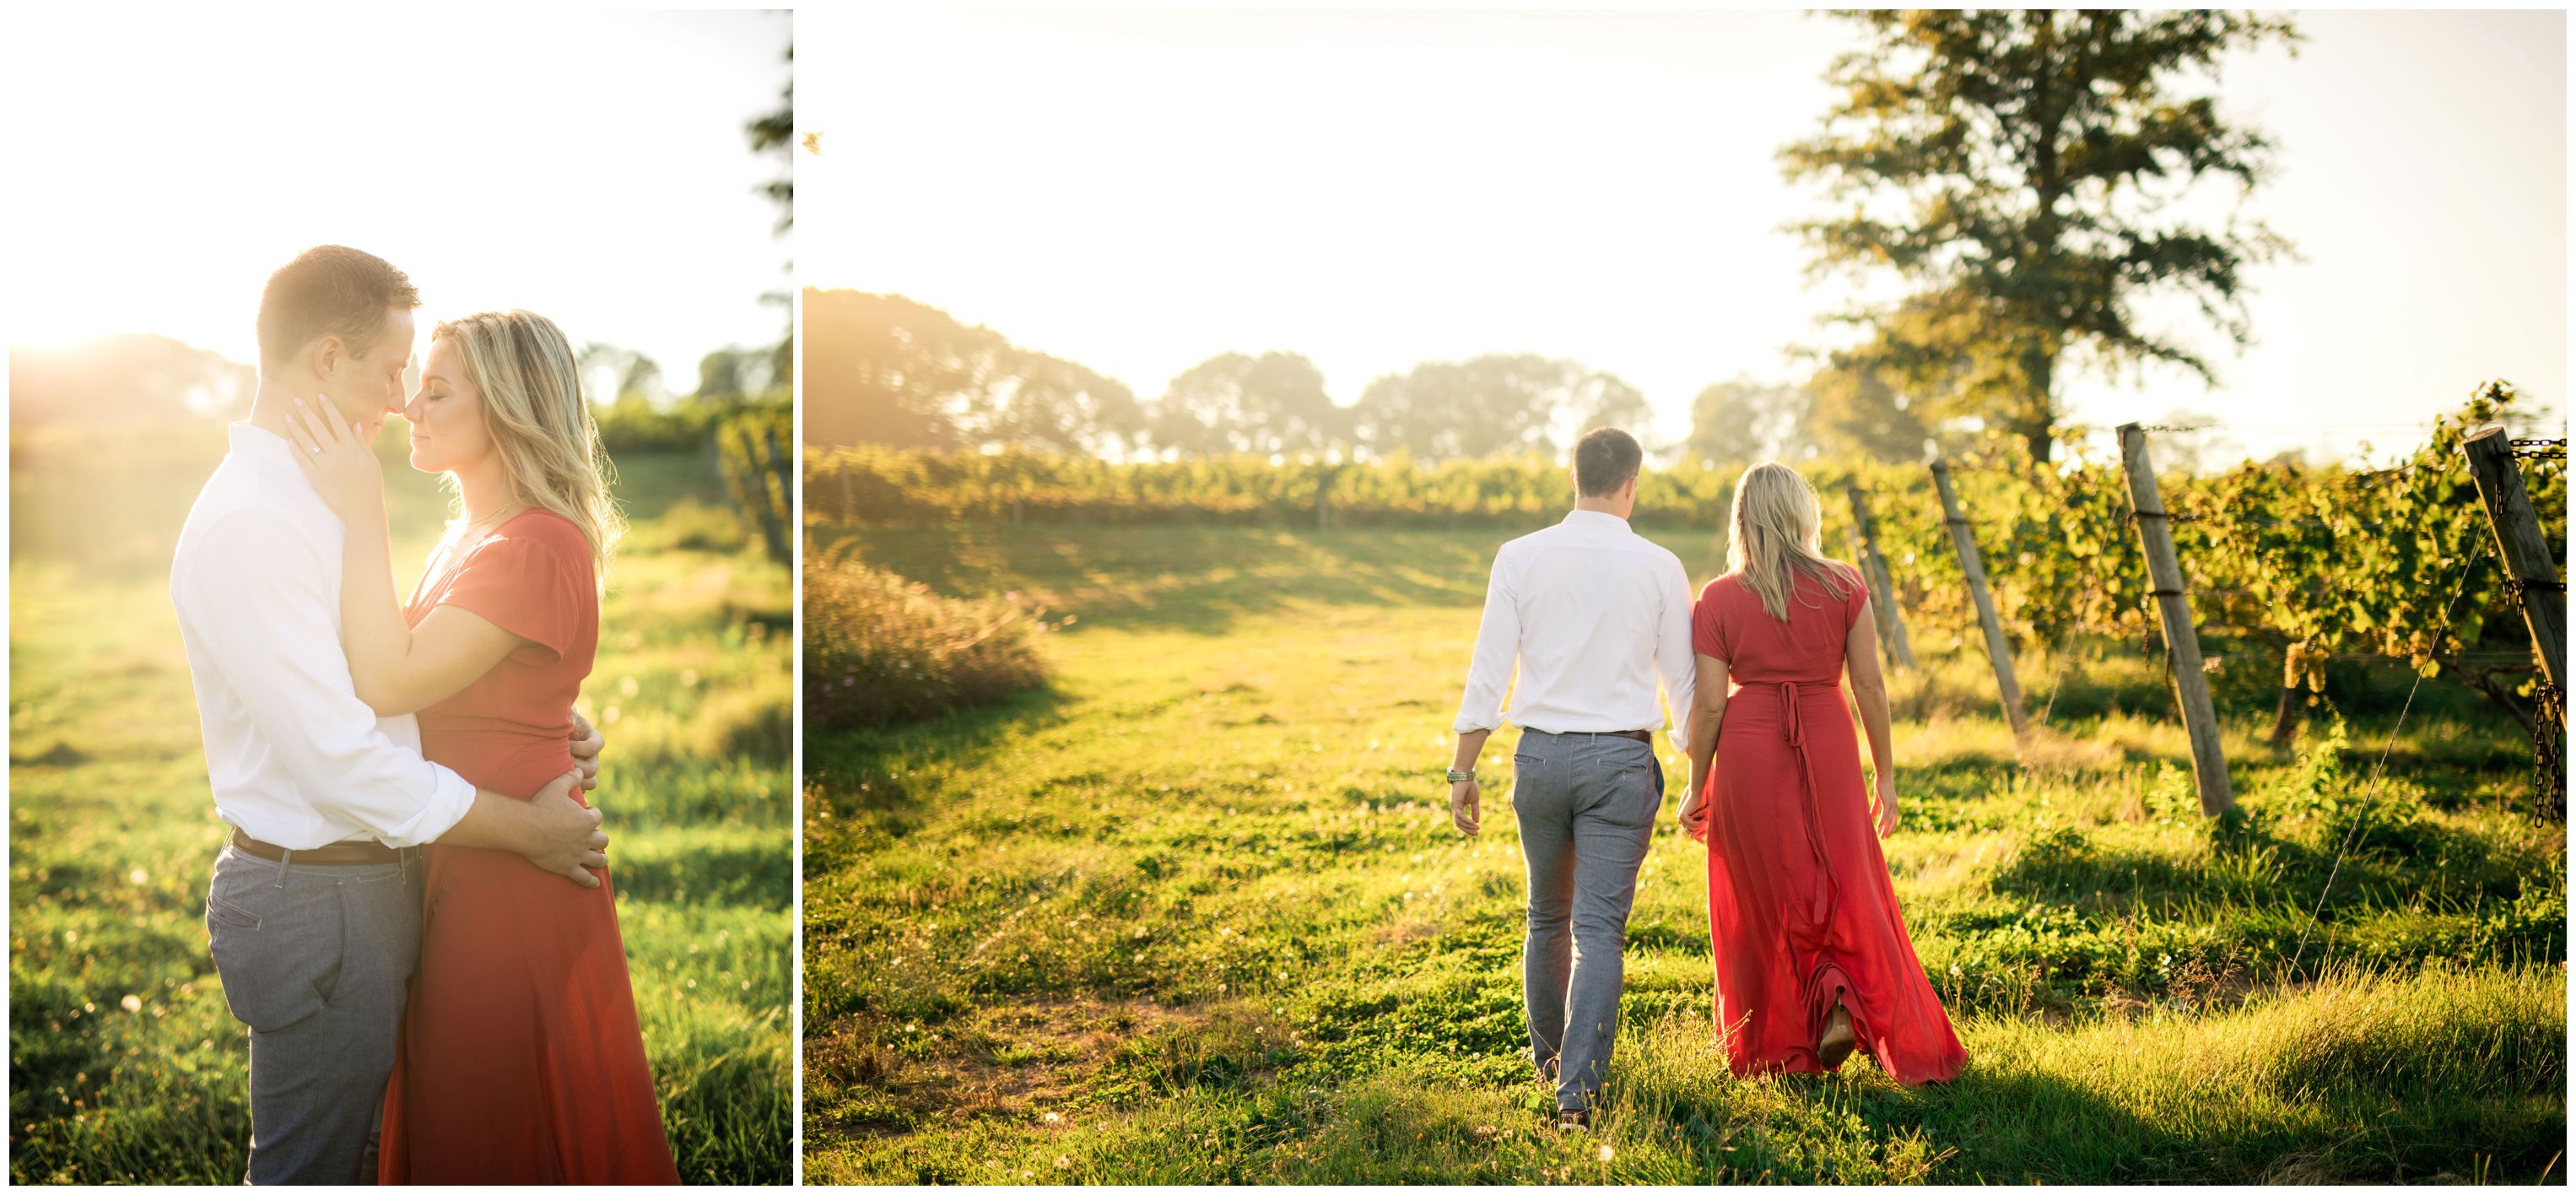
x=277, y=948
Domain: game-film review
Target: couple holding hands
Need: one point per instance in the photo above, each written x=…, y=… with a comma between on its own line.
x=1812, y=960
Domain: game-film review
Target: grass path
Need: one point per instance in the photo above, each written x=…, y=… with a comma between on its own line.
x=1197, y=915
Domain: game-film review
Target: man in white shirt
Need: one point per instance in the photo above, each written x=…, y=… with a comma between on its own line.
x=1594, y=614
x=313, y=915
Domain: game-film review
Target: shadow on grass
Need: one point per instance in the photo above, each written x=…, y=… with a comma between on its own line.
x=855, y=777
x=753, y=874
x=1189, y=578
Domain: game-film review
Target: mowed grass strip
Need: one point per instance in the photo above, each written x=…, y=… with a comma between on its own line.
x=125, y=1065
x=1196, y=914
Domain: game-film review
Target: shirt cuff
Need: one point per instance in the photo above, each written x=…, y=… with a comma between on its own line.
x=449, y=801
x=1467, y=725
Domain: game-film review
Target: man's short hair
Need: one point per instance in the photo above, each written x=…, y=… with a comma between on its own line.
x=1604, y=459
x=329, y=290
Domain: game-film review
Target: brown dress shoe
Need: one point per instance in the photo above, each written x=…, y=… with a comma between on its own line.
x=1838, y=1039
x=1573, y=1118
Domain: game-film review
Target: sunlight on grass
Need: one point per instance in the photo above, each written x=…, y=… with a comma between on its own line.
x=1196, y=915
x=112, y=834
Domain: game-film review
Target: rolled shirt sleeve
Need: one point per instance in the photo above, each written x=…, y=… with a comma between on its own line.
x=1673, y=652
x=1498, y=640
x=265, y=618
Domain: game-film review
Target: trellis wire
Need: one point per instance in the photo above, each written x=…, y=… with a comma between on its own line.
x=2380, y=768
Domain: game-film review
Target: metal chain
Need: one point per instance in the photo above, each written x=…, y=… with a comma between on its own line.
x=2549, y=713
x=2549, y=750
x=2516, y=587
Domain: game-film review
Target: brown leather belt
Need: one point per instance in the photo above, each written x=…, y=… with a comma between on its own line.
x=338, y=854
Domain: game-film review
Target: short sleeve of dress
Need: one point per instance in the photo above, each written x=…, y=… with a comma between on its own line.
x=1855, y=595
x=528, y=586
x=1708, y=626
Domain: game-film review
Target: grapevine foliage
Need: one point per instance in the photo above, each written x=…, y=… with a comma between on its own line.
x=2315, y=563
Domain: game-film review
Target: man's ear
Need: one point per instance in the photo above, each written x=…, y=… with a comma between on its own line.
x=326, y=356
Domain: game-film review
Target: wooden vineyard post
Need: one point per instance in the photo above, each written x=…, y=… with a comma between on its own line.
x=1882, y=587
x=2173, y=605
x=1997, y=649
x=2525, y=549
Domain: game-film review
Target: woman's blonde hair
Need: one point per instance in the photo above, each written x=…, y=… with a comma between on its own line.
x=534, y=409
x=1776, y=523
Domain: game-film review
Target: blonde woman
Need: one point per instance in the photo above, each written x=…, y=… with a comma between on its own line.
x=520, y=1058
x=1811, y=954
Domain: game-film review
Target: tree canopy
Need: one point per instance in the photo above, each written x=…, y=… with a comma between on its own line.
x=2018, y=172
x=1494, y=405
x=1273, y=403
x=883, y=369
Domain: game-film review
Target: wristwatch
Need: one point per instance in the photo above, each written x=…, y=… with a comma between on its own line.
x=1455, y=775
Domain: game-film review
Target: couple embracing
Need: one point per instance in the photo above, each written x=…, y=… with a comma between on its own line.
x=412, y=912
x=1811, y=956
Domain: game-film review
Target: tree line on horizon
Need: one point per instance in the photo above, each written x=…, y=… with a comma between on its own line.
x=2012, y=172
x=886, y=370
x=123, y=377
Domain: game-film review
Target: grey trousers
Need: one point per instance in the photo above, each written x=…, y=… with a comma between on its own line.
x=317, y=960
x=1586, y=805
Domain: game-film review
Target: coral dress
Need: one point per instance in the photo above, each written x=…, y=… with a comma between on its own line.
x=1800, y=909
x=520, y=1059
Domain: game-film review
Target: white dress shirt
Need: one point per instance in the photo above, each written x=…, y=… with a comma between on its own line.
x=296, y=760
x=1594, y=612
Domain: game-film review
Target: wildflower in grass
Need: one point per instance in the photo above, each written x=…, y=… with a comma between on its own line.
x=131, y=1003
x=1607, y=1153
x=1053, y=1118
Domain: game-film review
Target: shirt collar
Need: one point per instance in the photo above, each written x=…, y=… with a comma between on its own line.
x=266, y=447
x=250, y=439
x=1598, y=520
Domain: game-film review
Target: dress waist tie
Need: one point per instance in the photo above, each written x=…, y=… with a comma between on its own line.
x=1827, y=892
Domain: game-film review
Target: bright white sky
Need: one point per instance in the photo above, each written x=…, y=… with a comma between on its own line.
x=1140, y=191
x=590, y=167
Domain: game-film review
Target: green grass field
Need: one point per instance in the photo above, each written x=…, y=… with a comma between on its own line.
x=124, y=1064
x=1196, y=915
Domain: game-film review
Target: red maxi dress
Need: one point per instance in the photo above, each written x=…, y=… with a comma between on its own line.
x=520, y=1059
x=1800, y=908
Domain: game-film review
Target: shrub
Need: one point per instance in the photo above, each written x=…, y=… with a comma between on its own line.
x=881, y=650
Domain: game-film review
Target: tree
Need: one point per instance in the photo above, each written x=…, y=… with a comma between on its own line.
x=720, y=376
x=123, y=378
x=610, y=373
x=1040, y=401
x=1274, y=403
x=882, y=369
x=735, y=373
x=1741, y=422
x=1495, y=405
x=775, y=130
x=2011, y=167
x=1854, y=412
